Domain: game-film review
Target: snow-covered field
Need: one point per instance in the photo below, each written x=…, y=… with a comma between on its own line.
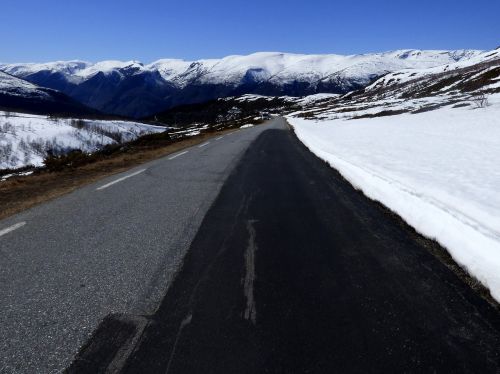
x=439, y=170
x=25, y=139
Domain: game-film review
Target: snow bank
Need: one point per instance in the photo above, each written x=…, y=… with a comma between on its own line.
x=438, y=170
x=25, y=139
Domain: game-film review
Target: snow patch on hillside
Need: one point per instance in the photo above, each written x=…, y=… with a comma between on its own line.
x=25, y=139
x=11, y=85
x=407, y=75
x=438, y=170
x=312, y=99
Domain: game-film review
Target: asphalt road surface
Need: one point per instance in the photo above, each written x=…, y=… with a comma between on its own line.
x=273, y=264
x=67, y=264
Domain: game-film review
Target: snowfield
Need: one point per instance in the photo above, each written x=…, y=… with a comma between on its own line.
x=25, y=139
x=438, y=170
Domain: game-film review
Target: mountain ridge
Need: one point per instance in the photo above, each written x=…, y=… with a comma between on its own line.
x=135, y=89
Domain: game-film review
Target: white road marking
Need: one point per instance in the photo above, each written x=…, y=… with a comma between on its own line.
x=177, y=155
x=12, y=228
x=204, y=144
x=219, y=138
x=121, y=179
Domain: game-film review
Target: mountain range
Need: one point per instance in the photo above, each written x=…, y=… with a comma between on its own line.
x=137, y=90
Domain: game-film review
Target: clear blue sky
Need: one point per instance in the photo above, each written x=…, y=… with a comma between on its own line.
x=146, y=30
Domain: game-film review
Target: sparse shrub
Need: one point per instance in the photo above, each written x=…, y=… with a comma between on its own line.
x=480, y=100
x=77, y=123
x=309, y=114
x=7, y=127
x=55, y=119
x=154, y=139
x=55, y=162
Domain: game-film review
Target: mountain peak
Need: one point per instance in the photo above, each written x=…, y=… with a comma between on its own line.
x=135, y=89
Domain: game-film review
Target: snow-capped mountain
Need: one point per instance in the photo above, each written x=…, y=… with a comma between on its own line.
x=464, y=84
x=19, y=95
x=465, y=75
x=135, y=89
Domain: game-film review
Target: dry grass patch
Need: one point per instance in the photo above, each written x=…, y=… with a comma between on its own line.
x=20, y=193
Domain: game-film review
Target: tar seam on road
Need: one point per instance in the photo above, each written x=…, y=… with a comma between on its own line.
x=186, y=321
x=248, y=282
x=120, y=179
x=204, y=144
x=177, y=155
x=12, y=228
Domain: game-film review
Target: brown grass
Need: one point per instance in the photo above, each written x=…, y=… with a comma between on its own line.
x=20, y=193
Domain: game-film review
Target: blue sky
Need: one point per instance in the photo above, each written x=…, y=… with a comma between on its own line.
x=35, y=30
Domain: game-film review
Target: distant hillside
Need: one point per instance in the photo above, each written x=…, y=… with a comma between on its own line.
x=464, y=83
x=481, y=73
x=27, y=139
x=223, y=111
x=18, y=95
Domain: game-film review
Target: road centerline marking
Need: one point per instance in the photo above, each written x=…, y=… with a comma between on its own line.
x=203, y=145
x=12, y=228
x=219, y=138
x=177, y=155
x=120, y=179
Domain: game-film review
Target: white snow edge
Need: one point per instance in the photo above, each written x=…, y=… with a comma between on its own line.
x=475, y=249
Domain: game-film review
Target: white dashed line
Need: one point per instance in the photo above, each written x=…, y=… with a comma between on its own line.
x=177, y=155
x=204, y=144
x=219, y=138
x=12, y=228
x=121, y=179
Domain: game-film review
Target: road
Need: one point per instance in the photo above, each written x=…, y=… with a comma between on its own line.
x=273, y=264
x=99, y=251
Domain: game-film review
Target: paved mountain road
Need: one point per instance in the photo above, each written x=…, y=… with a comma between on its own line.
x=293, y=271
x=289, y=269
x=103, y=250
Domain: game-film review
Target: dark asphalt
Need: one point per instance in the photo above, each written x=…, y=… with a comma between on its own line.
x=96, y=252
x=293, y=271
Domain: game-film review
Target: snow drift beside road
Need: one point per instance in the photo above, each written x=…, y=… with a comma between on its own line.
x=438, y=170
